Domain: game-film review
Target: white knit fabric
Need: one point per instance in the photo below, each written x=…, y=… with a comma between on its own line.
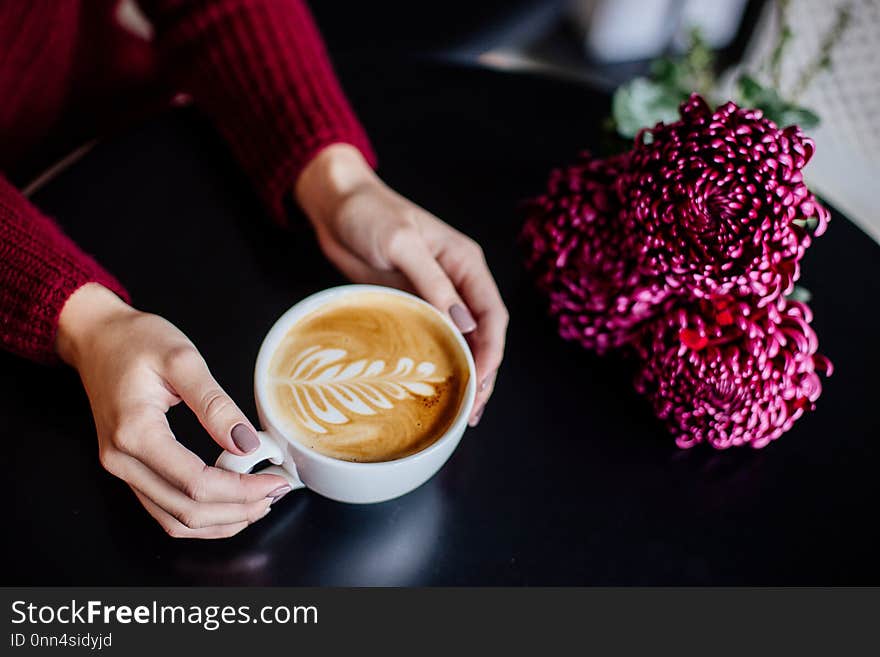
x=846, y=168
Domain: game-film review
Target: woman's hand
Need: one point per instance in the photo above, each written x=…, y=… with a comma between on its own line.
x=134, y=367
x=374, y=235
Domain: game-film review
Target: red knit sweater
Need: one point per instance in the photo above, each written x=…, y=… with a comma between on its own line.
x=68, y=70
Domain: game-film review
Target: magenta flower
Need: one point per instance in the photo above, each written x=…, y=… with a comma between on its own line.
x=584, y=252
x=684, y=249
x=720, y=202
x=726, y=373
x=710, y=205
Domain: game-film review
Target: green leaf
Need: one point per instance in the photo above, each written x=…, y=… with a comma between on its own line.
x=642, y=103
x=670, y=73
x=753, y=94
x=800, y=116
x=693, y=71
x=700, y=62
x=807, y=223
x=801, y=294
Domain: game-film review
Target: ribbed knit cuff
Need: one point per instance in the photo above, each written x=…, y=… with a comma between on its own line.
x=40, y=268
x=260, y=70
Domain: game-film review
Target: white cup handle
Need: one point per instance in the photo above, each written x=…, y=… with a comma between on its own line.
x=268, y=450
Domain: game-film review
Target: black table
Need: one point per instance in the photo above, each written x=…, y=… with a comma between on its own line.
x=568, y=479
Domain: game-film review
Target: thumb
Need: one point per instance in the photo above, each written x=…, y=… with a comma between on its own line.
x=222, y=418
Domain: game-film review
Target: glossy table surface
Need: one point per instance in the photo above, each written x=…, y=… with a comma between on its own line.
x=567, y=480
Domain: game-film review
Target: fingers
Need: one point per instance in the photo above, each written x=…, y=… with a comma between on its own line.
x=146, y=437
x=408, y=252
x=485, y=388
x=175, y=529
x=487, y=359
x=185, y=510
x=464, y=261
x=444, y=267
x=186, y=496
x=187, y=372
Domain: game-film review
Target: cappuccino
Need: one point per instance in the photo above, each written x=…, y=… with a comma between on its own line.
x=369, y=377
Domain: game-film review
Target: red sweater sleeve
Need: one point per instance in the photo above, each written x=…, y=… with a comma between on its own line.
x=259, y=69
x=40, y=267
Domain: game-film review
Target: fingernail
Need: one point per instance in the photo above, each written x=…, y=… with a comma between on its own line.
x=245, y=438
x=278, y=493
x=478, y=416
x=462, y=318
x=485, y=382
x=266, y=512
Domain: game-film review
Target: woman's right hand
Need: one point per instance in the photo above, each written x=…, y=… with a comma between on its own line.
x=135, y=366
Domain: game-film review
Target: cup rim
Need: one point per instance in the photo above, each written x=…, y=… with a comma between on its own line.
x=313, y=302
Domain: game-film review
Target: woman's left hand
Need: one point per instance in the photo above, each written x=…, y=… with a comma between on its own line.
x=375, y=235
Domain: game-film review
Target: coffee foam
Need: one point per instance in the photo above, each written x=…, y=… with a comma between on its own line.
x=370, y=377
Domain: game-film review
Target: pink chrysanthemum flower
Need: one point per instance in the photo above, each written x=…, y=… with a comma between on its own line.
x=720, y=203
x=584, y=252
x=713, y=204
x=726, y=373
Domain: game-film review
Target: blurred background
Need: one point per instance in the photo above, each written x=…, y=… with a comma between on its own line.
x=606, y=43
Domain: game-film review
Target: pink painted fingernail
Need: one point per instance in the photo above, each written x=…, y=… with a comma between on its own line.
x=245, y=438
x=462, y=318
x=278, y=493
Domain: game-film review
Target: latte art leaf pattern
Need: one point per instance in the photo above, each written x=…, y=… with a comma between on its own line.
x=329, y=389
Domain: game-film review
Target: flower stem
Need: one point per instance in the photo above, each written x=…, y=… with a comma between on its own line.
x=782, y=41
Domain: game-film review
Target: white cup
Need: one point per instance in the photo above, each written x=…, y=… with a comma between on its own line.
x=345, y=481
